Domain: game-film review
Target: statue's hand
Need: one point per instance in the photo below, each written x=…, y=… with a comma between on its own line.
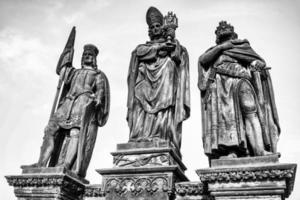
x=168, y=46
x=170, y=32
x=96, y=101
x=257, y=65
x=226, y=45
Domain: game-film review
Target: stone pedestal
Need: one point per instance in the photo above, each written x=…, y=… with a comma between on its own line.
x=253, y=178
x=54, y=183
x=144, y=170
x=191, y=191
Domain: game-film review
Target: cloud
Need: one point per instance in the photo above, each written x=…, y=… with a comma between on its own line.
x=25, y=63
x=22, y=53
x=14, y=45
x=71, y=19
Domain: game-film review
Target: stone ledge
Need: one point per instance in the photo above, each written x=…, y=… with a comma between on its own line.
x=264, y=179
x=143, y=170
x=46, y=185
x=246, y=161
x=190, y=188
x=139, y=145
x=141, y=157
x=52, y=170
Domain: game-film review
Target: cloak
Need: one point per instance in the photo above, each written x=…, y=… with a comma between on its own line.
x=244, y=54
x=181, y=85
x=93, y=116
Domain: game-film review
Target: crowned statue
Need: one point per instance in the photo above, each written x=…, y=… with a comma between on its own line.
x=158, y=84
x=80, y=107
x=238, y=106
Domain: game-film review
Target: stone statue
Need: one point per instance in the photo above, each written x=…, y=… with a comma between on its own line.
x=158, y=84
x=82, y=106
x=238, y=109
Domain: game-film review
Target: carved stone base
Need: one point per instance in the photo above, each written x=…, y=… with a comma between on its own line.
x=191, y=191
x=135, y=183
x=144, y=170
x=249, y=179
x=47, y=184
x=146, y=154
x=94, y=192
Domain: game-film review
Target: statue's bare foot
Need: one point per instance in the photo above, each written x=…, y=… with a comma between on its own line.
x=230, y=155
x=266, y=153
x=64, y=165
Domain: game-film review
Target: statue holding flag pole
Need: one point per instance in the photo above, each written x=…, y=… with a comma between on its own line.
x=80, y=106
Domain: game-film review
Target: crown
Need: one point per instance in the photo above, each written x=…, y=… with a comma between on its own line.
x=224, y=26
x=170, y=20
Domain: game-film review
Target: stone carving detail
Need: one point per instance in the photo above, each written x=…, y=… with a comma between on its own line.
x=45, y=182
x=234, y=176
x=160, y=159
x=248, y=175
x=136, y=185
x=37, y=182
x=190, y=189
x=94, y=192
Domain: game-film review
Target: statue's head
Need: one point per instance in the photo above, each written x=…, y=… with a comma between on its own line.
x=224, y=32
x=154, y=20
x=89, y=56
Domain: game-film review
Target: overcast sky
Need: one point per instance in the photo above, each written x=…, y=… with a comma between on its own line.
x=33, y=34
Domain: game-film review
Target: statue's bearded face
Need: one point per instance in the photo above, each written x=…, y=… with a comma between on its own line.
x=155, y=30
x=225, y=33
x=88, y=58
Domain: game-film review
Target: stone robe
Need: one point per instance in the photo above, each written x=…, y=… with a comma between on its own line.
x=158, y=93
x=222, y=118
x=77, y=109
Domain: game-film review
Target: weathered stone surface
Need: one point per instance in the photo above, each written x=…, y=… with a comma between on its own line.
x=53, y=170
x=143, y=170
x=264, y=181
x=137, y=183
x=143, y=145
x=259, y=160
x=48, y=184
x=94, y=192
x=146, y=154
x=191, y=191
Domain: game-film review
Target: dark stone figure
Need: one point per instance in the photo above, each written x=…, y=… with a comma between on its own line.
x=158, y=84
x=238, y=109
x=83, y=106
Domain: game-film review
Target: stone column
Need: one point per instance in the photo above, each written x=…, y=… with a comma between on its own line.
x=53, y=183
